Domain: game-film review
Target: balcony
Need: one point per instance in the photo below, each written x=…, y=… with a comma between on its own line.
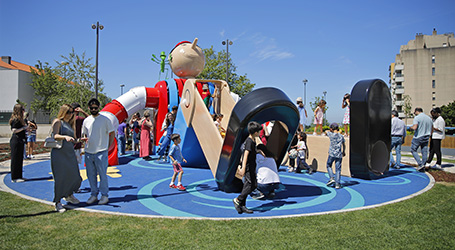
x=399, y=90
x=399, y=103
x=399, y=67
x=399, y=79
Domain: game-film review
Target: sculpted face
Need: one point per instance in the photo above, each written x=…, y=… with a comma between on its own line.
x=187, y=60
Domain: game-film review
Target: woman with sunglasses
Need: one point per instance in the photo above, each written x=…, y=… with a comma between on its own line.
x=65, y=167
x=17, y=142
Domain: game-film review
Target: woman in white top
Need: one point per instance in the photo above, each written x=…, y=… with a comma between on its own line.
x=436, y=137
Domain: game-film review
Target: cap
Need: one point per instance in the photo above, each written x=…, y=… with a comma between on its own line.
x=299, y=99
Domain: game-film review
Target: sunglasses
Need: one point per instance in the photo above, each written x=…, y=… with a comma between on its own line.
x=299, y=102
x=94, y=108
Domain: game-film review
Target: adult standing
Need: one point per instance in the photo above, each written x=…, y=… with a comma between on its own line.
x=398, y=133
x=303, y=114
x=146, y=142
x=78, y=121
x=422, y=125
x=100, y=134
x=134, y=123
x=65, y=167
x=121, y=137
x=437, y=136
x=347, y=115
x=17, y=142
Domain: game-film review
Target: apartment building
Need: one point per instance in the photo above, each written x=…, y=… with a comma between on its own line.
x=424, y=70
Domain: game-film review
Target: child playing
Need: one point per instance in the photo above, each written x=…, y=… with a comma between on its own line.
x=217, y=120
x=319, y=116
x=336, y=153
x=176, y=157
x=303, y=153
x=248, y=168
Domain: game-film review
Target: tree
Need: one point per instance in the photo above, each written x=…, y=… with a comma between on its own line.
x=448, y=113
x=407, y=107
x=71, y=81
x=314, y=105
x=215, y=68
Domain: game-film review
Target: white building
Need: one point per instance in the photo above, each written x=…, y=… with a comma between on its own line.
x=425, y=71
x=15, y=79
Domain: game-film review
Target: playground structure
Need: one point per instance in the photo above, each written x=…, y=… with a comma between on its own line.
x=202, y=143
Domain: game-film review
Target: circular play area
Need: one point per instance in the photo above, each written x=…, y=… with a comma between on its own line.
x=141, y=188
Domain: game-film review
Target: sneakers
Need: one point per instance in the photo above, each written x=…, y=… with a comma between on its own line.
x=237, y=205
x=330, y=182
x=181, y=187
x=437, y=167
x=18, y=180
x=103, y=201
x=259, y=196
x=92, y=200
x=290, y=169
x=71, y=199
x=59, y=207
x=421, y=168
x=246, y=210
x=427, y=165
x=172, y=186
x=337, y=186
x=310, y=171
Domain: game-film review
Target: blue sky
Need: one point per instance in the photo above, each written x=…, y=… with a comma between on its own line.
x=333, y=44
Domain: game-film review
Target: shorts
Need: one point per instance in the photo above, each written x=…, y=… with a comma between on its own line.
x=177, y=168
x=31, y=138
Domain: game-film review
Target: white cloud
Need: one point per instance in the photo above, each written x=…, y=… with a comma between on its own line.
x=266, y=48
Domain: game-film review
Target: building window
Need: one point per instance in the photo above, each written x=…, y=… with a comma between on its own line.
x=433, y=59
x=433, y=83
x=434, y=96
x=433, y=71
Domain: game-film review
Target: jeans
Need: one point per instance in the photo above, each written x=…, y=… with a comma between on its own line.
x=396, y=143
x=121, y=144
x=330, y=160
x=96, y=164
x=265, y=189
x=421, y=142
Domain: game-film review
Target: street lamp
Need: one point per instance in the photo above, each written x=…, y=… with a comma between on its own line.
x=325, y=99
x=98, y=27
x=304, y=91
x=227, y=43
x=121, y=88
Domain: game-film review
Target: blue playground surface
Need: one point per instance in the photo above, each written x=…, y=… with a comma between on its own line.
x=141, y=188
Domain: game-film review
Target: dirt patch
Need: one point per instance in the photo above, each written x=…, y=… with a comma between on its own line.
x=5, y=151
x=442, y=176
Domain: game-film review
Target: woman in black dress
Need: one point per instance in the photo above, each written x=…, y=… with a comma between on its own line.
x=17, y=142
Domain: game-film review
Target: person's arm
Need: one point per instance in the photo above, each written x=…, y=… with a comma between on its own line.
x=316, y=111
x=18, y=130
x=55, y=130
x=245, y=159
x=78, y=109
x=414, y=127
x=438, y=127
x=306, y=115
x=172, y=159
x=343, y=146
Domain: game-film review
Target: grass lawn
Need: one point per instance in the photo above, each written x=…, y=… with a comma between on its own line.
x=423, y=222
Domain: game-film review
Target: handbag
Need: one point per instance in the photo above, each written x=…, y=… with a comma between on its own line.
x=50, y=142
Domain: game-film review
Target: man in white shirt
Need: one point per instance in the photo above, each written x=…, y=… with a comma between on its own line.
x=436, y=137
x=98, y=132
x=398, y=133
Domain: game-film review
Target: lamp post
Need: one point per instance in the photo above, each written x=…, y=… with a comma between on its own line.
x=121, y=88
x=304, y=91
x=227, y=43
x=98, y=27
x=325, y=99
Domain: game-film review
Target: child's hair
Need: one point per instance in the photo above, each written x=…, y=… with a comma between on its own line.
x=254, y=127
x=322, y=102
x=175, y=137
x=175, y=108
x=303, y=135
x=334, y=126
x=216, y=116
